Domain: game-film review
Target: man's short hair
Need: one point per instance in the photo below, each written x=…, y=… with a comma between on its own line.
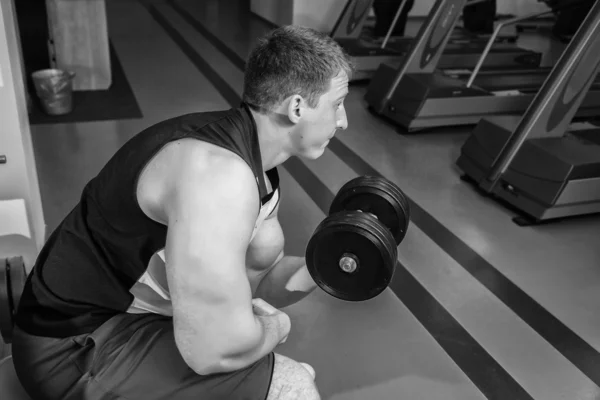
x=292, y=60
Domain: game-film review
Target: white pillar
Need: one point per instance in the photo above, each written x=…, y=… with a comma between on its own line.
x=18, y=176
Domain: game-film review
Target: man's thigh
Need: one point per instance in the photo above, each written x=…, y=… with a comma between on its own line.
x=132, y=356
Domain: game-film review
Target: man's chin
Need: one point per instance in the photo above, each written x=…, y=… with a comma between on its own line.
x=318, y=153
x=314, y=153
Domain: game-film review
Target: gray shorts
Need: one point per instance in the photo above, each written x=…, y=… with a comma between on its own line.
x=131, y=356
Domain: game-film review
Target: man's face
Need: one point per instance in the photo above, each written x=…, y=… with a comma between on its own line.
x=318, y=125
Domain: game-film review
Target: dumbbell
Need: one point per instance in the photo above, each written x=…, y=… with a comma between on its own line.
x=12, y=282
x=352, y=252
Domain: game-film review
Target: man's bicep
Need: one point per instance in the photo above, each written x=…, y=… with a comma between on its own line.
x=267, y=246
x=210, y=221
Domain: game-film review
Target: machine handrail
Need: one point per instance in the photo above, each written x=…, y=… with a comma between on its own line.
x=434, y=14
x=393, y=25
x=492, y=39
x=511, y=21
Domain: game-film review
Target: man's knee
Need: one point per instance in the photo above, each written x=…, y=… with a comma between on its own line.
x=292, y=380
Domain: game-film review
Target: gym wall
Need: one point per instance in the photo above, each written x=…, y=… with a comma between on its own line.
x=279, y=13
x=18, y=176
x=317, y=14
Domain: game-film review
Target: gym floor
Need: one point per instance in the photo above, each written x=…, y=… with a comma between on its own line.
x=480, y=308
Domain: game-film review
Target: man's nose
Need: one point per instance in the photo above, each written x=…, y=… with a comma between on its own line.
x=342, y=122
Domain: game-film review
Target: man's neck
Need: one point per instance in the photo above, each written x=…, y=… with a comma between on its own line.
x=272, y=140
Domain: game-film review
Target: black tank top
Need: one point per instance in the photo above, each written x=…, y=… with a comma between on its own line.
x=84, y=272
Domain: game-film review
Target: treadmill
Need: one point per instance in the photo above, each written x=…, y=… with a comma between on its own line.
x=544, y=168
x=462, y=50
x=417, y=95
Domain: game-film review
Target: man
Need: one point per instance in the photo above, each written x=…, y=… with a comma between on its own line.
x=480, y=18
x=385, y=11
x=165, y=281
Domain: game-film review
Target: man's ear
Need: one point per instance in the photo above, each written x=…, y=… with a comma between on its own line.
x=296, y=107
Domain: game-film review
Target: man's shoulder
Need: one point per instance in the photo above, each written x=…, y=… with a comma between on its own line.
x=187, y=166
x=204, y=120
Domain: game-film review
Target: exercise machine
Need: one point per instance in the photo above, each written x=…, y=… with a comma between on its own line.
x=15, y=250
x=542, y=168
x=12, y=281
x=462, y=50
x=417, y=95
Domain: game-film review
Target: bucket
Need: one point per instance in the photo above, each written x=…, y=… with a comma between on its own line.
x=54, y=88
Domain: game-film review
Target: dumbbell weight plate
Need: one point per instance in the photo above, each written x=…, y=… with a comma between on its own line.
x=367, y=240
x=378, y=196
x=6, y=316
x=12, y=283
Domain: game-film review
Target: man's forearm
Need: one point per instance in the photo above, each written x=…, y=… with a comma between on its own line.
x=287, y=283
x=256, y=341
x=274, y=329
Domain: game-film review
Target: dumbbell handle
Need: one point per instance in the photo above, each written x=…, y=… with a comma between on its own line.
x=348, y=263
x=370, y=213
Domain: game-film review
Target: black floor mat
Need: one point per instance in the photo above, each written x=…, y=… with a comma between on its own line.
x=117, y=102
